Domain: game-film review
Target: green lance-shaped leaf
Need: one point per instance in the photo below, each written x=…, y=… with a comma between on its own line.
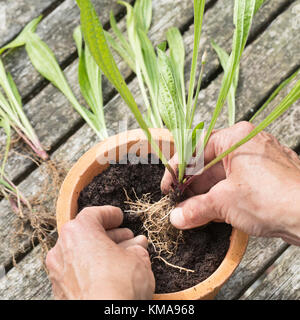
x=196, y=136
x=283, y=106
x=44, y=60
x=123, y=48
x=171, y=110
x=258, y=4
x=120, y=36
x=177, y=58
x=274, y=94
x=90, y=81
x=14, y=89
x=199, y=6
x=203, y=62
x=243, y=15
x=123, y=53
x=95, y=39
x=162, y=46
x=145, y=62
x=11, y=106
x=143, y=12
x=224, y=59
x=22, y=37
x=149, y=63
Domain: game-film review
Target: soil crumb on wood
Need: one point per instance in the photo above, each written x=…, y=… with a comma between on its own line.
x=203, y=249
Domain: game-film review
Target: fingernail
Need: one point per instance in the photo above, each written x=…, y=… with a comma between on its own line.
x=177, y=218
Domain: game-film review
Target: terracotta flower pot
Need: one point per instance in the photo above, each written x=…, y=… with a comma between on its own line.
x=96, y=160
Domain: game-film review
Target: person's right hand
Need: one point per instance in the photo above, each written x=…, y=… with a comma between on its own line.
x=95, y=259
x=255, y=188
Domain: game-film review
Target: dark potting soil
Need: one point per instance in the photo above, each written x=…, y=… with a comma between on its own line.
x=203, y=249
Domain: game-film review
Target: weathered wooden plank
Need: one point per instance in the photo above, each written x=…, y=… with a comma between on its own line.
x=283, y=282
x=57, y=31
x=216, y=24
x=289, y=123
x=265, y=63
x=260, y=253
x=79, y=139
x=51, y=105
x=27, y=282
x=14, y=15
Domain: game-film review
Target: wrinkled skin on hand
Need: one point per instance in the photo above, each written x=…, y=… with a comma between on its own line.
x=255, y=188
x=94, y=259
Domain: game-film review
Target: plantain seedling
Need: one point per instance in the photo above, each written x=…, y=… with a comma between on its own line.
x=224, y=59
x=163, y=73
x=139, y=54
x=7, y=188
x=44, y=61
x=175, y=111
x=11, y=109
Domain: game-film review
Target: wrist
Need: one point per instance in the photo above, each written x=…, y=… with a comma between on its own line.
x=110, y=292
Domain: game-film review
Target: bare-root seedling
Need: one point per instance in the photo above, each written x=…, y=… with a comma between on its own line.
x=164, y=238
x=37, y=223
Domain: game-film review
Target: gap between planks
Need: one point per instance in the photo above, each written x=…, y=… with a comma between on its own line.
x=208, y=79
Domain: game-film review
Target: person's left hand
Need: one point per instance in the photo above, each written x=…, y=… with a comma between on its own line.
x=94, y=259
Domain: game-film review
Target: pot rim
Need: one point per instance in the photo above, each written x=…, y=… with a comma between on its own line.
x=67, y=204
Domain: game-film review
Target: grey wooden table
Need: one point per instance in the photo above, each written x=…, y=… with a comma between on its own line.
x=270, y=268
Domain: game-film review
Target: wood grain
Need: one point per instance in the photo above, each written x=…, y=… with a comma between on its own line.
x=283, y=282
x=14, y=15
x=259, y=255
x=260, y=252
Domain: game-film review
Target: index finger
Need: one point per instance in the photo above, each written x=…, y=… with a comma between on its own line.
x=167, y=179
x=108, y=217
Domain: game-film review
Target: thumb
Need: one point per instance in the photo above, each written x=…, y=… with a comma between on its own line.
x=199, y=210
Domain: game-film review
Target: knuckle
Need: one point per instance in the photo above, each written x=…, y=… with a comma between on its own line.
x=290, y=152
x=84, y=212
x=140, y=251
x=68, y=228
x=50, y=260
x=244, y=127
x=191, y=215
x=128, y=233
x=268, y=138
x=218, y=199
x=87, y=214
